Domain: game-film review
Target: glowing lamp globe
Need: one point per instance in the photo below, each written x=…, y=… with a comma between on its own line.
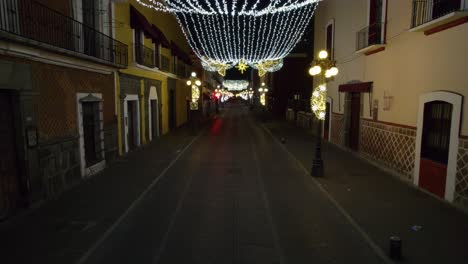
x=194, y=74
x=323, y=54
x=189, y=83
x=334, y=71
x=315, y=70
x=198, y=83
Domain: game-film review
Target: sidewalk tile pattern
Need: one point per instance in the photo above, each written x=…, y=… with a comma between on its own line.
x=461, y=185
x=392, y=145
x=337, y=129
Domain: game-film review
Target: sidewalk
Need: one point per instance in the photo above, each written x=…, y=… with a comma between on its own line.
x=61, y=230
x=382, y=205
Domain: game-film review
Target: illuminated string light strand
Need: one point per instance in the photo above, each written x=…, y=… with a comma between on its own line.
x=224, y=33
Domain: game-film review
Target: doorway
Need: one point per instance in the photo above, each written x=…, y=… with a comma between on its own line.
x=435, y=144
x=172, y=103
x=437, y=139
x=132, y=124
x=355, y=107
x=9, y=184
x=91, y=133
x=154, y=119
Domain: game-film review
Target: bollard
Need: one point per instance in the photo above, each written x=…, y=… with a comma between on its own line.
x=395, y=248
x=283, y=140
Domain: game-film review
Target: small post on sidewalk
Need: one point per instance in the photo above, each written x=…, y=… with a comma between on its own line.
x=395, y=248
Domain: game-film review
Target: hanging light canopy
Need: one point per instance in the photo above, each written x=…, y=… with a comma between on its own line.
x=236, y=85
x=240, y=33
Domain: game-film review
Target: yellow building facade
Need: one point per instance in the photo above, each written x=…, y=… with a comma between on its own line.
x=151, y=95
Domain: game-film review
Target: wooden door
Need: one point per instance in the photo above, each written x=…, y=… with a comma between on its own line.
x=172, y=102
x=9, y=190
x=326, y=125
x=90, y=129
x=154, y=119
x=435, y=147
x=131, y=124
x=355, y=118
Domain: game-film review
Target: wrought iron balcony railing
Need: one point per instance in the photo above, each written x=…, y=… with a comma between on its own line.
x=165, y=63
x=35, y=24
x=144, y=56
x=427, y=10
x=371, y=35
x=181, y=69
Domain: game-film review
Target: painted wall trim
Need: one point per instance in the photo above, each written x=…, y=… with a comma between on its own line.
x=456, y=101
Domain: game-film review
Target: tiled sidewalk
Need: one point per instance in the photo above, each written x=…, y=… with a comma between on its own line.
x=381, y=204
x=61, y=230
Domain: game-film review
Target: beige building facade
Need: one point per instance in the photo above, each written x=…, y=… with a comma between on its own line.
x=399, y=97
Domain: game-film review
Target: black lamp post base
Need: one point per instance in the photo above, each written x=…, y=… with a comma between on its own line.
x=317, y=168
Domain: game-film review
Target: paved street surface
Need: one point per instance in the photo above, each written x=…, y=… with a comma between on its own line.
x=234, y=194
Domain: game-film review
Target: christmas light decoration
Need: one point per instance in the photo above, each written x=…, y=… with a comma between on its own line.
x=226, y=33
x=319, y=95
x=236, y=85
x=194, y=83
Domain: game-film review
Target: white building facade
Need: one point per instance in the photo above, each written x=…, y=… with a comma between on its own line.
x=399, y=97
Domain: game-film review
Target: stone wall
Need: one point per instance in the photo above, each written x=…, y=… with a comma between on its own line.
x=390, y=144
x=461, y=184
x=59, y=164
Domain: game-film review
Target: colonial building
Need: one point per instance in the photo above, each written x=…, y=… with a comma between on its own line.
x=151, y=92
x=82, y=81
x=398, y=99
x=58, y=64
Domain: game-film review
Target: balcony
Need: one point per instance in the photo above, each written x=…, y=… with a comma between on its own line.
x=430, y=16
x=371, y=39
x=165, y=63
x=29, y=22
x=144, y=56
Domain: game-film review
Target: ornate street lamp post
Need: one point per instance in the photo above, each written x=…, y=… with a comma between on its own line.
x=263, y=90
x=324, y=69
x=195, y=83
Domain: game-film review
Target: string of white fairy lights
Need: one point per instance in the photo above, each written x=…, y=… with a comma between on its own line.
x=236, y=85
x=241, y=33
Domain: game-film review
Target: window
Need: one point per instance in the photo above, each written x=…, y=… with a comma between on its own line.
x=174, y=64
x=157, y=55
x=330, y=38
x=138, y=47
x=436, y=131
x=443, y=7
x=375, y=21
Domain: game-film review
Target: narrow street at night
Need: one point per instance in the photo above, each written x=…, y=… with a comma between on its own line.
x=233, y=131
x=251, y=201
